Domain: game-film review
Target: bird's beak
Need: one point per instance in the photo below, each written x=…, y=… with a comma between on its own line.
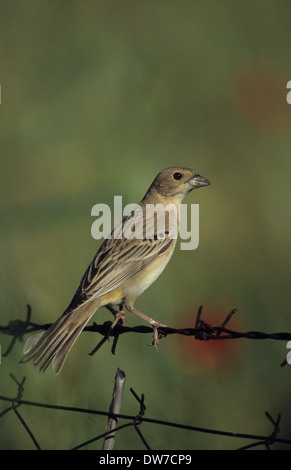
x=199, y=181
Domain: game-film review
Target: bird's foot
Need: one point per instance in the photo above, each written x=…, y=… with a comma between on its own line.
x=156, y=325
x=156, y=335
x=118, y=316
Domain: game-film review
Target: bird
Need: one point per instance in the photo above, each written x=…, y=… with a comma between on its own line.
x=122, y=269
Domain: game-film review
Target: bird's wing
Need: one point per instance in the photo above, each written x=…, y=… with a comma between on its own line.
x=116, y=262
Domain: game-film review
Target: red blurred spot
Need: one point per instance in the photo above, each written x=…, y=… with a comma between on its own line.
x=210, y=355
x=259, y=95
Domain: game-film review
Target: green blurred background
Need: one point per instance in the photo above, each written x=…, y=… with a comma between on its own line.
x=98, y=97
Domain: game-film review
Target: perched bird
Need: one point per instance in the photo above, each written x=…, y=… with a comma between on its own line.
x=121, y=270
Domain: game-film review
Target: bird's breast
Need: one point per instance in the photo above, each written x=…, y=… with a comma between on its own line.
x=139, y=283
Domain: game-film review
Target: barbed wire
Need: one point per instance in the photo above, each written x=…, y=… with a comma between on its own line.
x=136, y=421
x=202, y=331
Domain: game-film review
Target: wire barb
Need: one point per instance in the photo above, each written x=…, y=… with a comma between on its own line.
x=202, y=331
x=137, y=420
x=15, y=403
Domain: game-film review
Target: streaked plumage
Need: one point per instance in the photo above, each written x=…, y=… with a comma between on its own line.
x=120, y=271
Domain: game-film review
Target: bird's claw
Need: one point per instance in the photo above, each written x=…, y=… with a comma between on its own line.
x=156, y=335
x=117, y=317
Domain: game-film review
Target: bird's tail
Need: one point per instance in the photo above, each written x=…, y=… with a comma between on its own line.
x=56, y=343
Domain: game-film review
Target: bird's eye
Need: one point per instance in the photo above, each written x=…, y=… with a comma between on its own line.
x=177, y=176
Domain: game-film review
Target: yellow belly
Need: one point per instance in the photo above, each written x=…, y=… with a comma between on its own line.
x=135, y=286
